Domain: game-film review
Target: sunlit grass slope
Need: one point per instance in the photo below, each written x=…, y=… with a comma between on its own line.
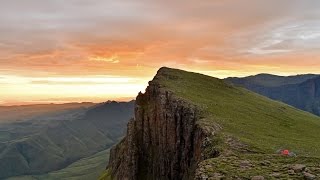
x=263, y=124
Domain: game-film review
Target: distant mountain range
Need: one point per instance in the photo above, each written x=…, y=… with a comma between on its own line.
x=301, y=91
x=37, y=139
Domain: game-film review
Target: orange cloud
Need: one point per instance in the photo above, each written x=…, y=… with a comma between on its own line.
x=132, y=39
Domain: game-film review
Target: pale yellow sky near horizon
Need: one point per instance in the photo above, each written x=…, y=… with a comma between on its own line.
x=90, y=50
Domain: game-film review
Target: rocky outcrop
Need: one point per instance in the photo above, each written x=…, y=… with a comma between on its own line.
x=164, y=140
x=175, y=134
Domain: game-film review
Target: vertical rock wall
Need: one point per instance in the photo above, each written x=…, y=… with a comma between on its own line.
x=163, y=140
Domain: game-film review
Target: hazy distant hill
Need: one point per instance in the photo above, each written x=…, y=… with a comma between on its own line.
x=39, y=139
x=270, y=80
x=301, y=91
x=39, y=111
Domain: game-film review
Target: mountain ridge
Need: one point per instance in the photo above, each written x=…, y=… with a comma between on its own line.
x=188, y=126
x=303, y=94
x=279, y=80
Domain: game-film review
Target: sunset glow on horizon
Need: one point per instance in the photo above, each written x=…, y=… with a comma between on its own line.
x=94, y=51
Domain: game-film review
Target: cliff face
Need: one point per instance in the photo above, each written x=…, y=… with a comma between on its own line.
x=236, y=135
x=163, y=140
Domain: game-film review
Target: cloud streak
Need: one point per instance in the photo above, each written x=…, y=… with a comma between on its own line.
x=77, y=38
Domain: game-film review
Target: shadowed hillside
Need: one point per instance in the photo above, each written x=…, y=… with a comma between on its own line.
x=302, y=91
x=53, y=139
x=83, y=169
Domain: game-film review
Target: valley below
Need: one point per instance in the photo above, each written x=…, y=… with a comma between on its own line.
x=60, y=141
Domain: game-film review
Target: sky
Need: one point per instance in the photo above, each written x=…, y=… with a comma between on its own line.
x=92, y=50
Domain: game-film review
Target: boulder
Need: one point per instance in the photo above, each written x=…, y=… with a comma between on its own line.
x=298, y=167
x=257, y=178
x=308, y=176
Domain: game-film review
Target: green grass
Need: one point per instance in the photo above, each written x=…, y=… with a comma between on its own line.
x=87, y=168
x=84, y=169
x=264, y=124
x=269, y=166
x=105, y=176
x=254, y=127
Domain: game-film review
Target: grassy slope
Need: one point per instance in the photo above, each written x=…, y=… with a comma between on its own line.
x=84, y=169
x=263, y=124
x=105, y=175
